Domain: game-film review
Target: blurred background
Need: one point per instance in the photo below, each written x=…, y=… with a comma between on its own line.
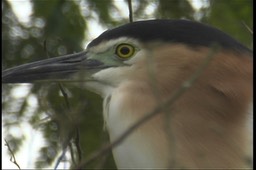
x=39, y=121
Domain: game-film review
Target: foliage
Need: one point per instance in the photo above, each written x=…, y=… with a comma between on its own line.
x=58, y=27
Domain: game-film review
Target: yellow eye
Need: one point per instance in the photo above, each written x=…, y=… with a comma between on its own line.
x=125, y=51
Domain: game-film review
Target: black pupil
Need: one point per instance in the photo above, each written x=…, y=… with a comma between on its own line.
x=125, y=50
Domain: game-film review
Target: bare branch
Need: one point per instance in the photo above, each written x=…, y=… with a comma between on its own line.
x=130, y=10
x=77, y=144
x=247, y=27
x=61, y=157
x=12, y=159
x=64, y=95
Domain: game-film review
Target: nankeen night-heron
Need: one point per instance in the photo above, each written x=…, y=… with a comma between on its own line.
x=138, y=66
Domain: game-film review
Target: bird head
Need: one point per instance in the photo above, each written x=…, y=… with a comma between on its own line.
x=118, y=54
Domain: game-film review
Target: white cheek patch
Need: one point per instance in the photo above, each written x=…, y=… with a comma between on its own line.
x=112, y=76
x=104, y=75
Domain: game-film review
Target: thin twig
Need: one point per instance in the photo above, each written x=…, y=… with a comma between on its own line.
x=247, y=27
x=77, y=144
x=185, y=86
x=60, y=158
x=156, y=92
x=45, y=48
x=12, y=159
x=64, y=95
x=167, y=111
x=72, y=153
x=65, y=145
x=130, y=10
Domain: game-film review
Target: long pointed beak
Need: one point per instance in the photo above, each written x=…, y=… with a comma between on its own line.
x=60, y=68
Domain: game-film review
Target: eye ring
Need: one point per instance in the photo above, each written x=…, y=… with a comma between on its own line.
x=125, y=51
